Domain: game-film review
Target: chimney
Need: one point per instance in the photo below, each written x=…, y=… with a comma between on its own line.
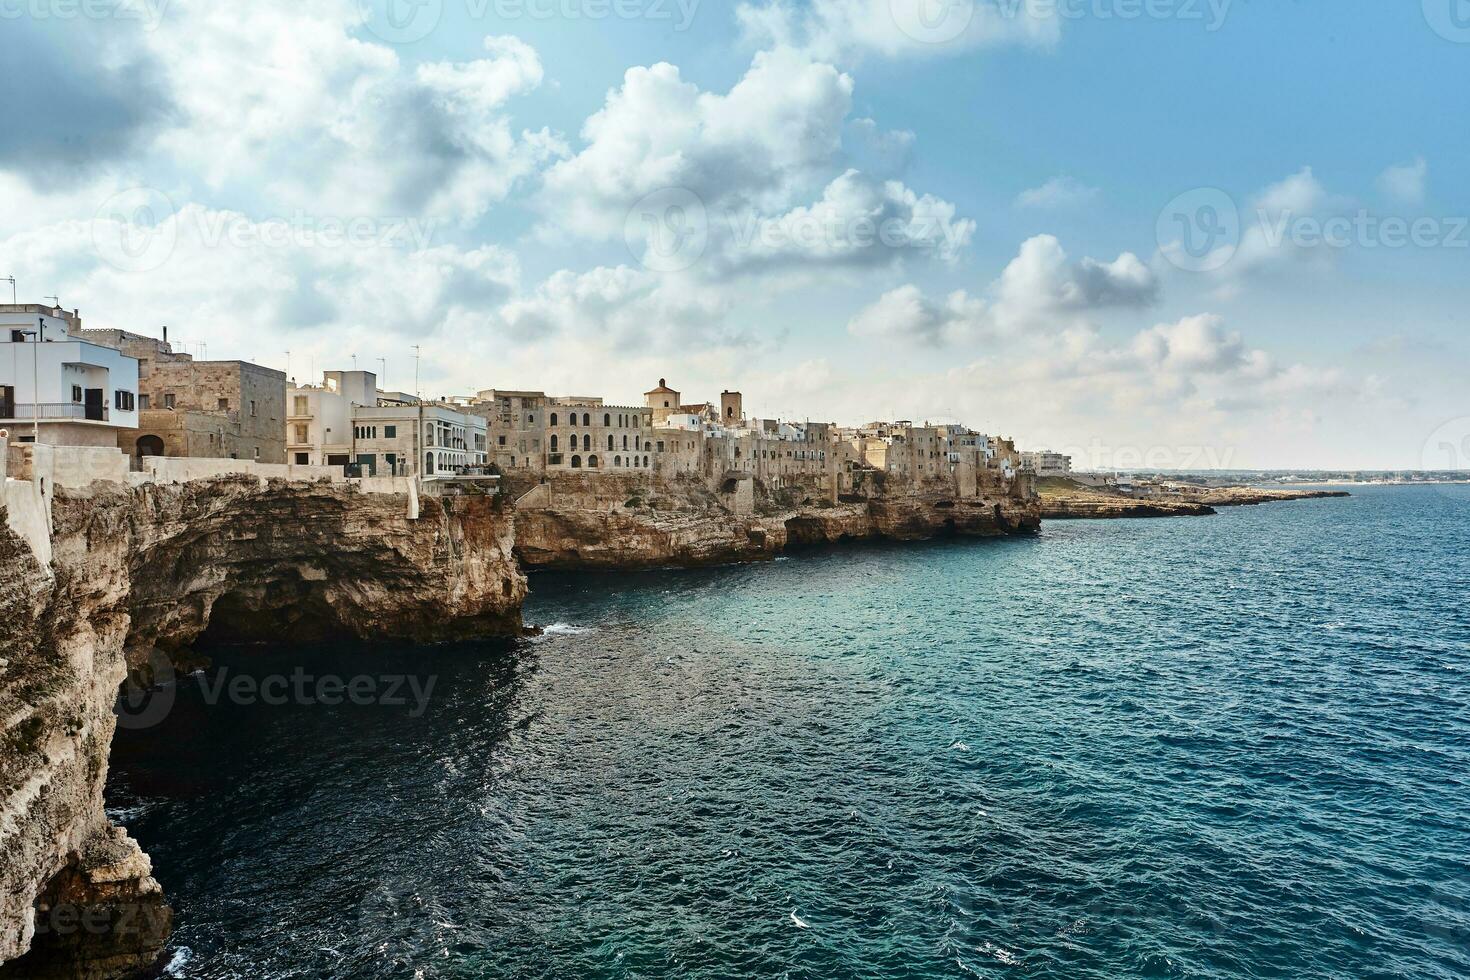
x=165, y=335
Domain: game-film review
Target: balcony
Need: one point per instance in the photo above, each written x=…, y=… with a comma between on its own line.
x=52, y=411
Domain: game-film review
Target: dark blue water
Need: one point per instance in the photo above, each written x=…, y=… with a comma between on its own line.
x=1225, y=747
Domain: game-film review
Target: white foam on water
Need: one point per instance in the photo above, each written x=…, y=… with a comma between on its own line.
x=796, y=921
x=959, y=747
x=180, y=960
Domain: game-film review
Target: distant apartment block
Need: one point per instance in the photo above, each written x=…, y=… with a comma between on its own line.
x=1047, y=463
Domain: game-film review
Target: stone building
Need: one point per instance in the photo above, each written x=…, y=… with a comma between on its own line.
x=186, y=407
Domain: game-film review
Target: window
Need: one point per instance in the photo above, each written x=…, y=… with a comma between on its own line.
x=390, y=432
x=143, y=402
x=553, y=419
x=302, y=459
x=501, y=440
x=252, y=409
x=302, y=404
x=610, y=441
x=76, y=393
x=553, y=442
x=586, y=443
x=224, y=404
x=168, y=401
x=607, y=420
x=123, y=401
x=586, y=419
x=302, y=435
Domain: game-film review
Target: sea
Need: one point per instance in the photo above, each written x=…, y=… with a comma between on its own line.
x=1235, y=746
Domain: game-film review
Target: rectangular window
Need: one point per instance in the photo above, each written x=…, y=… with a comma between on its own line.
x=168, y=401
x=76, y=393
x=252, y=410
x=390, y=432
x=224, y=404
x=143, y=402
x=303, y=405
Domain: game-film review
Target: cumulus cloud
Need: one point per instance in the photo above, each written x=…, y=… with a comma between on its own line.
x=773, y=134
x=757, y=173
x=1039, y=289
x=904, y=313
x=1406, y=183
x=843, y=29
x=1059, y=193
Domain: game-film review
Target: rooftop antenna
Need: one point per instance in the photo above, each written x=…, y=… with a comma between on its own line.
x=417, y=391
x=382, y=370
x=288, y=365
x=11, y=280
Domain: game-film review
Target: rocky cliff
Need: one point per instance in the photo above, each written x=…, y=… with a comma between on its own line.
x=138, y=573
x=628, y=522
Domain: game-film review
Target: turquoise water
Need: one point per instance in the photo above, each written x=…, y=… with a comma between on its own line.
x=1225, y=747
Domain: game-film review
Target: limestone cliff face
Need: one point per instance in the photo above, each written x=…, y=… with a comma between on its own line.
x=136, y=570
x=627, y=522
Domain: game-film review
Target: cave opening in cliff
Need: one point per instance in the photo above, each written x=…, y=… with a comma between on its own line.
x=278, y=615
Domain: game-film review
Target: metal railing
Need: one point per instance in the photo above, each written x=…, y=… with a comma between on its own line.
x=51, y=411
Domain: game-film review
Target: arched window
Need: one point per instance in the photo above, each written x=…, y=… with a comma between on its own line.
x=429, y=463
x=645, y=461
x=610, y=441
x=553, y=442
x=576, y=462
x=586, y=443
x=617, y=461
x=553, y=418
x=606, y=420
x=625, y=440
x=592, y=461
x=586, y=418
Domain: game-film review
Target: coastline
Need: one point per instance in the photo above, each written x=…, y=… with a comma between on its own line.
x=1063, y=499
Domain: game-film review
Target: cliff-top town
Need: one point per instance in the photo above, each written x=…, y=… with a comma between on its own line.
x=64, y=385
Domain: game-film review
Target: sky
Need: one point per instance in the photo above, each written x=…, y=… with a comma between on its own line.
x=1151, y=233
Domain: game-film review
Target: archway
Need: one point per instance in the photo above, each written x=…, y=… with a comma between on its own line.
x=149, y=446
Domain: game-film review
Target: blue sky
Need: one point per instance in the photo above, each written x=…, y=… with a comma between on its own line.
x=511, y=178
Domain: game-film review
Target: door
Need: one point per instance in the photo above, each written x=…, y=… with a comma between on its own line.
x=7, y=402
x=94, y=410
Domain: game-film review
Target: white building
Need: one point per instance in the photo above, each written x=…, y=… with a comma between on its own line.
x=54, y=386
x=346, y=421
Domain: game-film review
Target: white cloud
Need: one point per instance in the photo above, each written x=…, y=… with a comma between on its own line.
x=842, y=29
x=1039, y=289
x=1057, y=194
x=1406, y=183
x=904, y=313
